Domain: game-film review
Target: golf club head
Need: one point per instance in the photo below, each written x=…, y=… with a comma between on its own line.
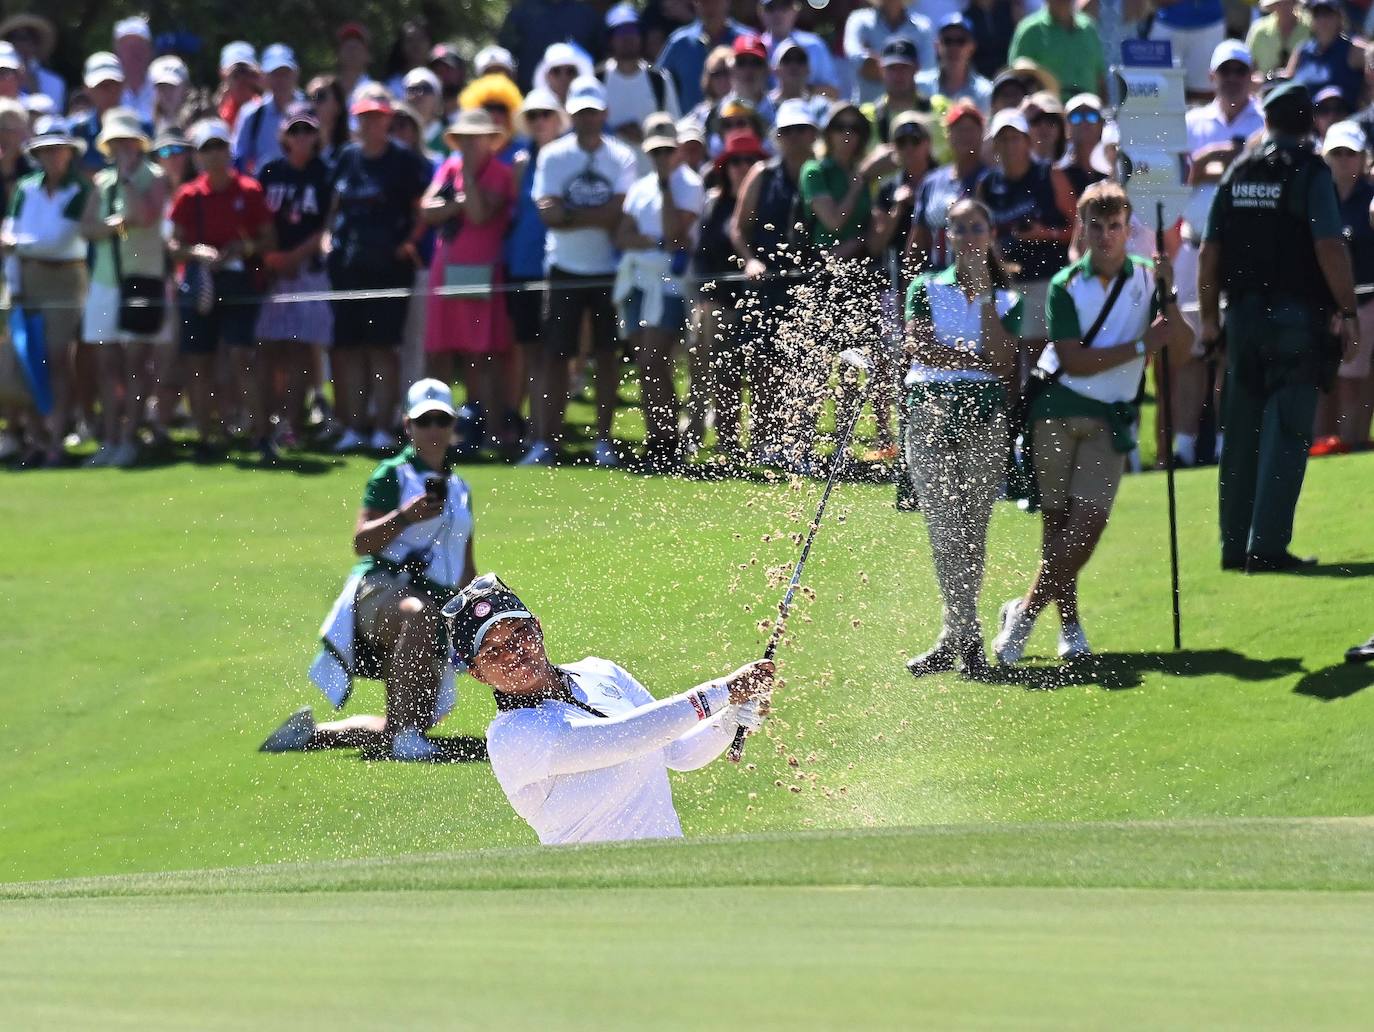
x=854, y=358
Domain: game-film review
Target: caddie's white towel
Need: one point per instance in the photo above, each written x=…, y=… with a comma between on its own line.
x=335, y=666
x=649, y=272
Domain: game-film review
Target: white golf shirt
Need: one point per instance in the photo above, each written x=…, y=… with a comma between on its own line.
x=582, y=179
x=576, y=777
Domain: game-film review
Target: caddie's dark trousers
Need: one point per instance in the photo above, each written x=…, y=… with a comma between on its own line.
x=1268, y=407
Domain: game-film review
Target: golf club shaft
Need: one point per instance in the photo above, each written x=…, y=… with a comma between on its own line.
x=770, y=650
x=1167, y=415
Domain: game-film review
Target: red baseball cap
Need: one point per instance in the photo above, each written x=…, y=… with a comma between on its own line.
x=741, y=143
x=750, y=44
x=963, y=109
x=353, y=30
x=371, y=104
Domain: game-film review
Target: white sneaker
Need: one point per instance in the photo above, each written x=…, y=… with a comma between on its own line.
x=348, y=441
x=104, y=456
x=292, y=736
x=410, y=744
x=381, y=441
x=540, y=454
x=604, y=455
x=1073, y=643
x=125, y=455
x=1015, y=630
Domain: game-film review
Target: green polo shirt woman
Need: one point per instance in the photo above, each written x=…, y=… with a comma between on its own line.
x=962, y=327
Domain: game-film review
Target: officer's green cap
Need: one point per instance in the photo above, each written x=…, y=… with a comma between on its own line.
x=1294, y=93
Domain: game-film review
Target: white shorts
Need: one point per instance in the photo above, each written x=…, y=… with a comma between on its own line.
x=100, y=319
x=1193, y=50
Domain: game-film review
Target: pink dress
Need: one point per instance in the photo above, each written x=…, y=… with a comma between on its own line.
x=471, y=325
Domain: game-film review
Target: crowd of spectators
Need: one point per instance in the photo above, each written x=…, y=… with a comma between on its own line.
x=278, y=253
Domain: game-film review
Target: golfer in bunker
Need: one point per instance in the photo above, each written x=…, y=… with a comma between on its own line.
x=582, y=750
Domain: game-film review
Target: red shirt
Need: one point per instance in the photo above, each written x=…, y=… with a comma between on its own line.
x=203, y=216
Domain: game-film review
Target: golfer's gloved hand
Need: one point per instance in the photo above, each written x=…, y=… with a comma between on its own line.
x=751, y=715
x=750, y=681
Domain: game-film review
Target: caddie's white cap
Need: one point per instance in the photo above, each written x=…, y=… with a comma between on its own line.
x=586, y=94
x=794, y=112
x=1345, y=134
x=490, y=57
x=428, y=395
x=1231, y=50
x=1008, y=118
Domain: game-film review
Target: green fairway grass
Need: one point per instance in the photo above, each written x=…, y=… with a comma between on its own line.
x=1156, y=839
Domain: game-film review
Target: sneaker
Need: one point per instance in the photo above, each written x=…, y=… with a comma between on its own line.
x=1361, y=653
x=102, y=457
x=1015, y=630
x=604, y=455
x=1284, y=562
x=348, y=441
x=973, y=663
x=381, y=441
x=125, y=455
x=936, y=661
x=294, y=735
x=1073, y=643
x=540, y=454
x=409, y=744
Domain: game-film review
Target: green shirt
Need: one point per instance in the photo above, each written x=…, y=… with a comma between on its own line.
x=383, y=490
x=825, y=178
x=1323, y=213
x=1268, y=49
x=141, y=250
x=1072, y=55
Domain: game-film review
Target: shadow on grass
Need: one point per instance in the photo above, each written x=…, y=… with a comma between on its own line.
x=1120, y=670
x=1339, y=681
x=1342, y=570
x=452, y=749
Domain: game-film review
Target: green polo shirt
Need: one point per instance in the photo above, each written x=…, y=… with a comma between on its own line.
x=825, y=178
x=1072, y=55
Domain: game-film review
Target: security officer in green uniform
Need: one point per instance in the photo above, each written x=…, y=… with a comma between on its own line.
x=1273, y=244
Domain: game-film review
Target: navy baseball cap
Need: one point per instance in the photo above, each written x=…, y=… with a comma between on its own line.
x=899, y=50
x=475, y=610
x=956, y=20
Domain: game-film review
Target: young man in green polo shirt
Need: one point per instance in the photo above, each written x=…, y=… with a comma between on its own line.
x=1103, y=325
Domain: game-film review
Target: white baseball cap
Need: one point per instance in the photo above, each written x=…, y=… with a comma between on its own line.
x=209, y=129
x=421, y=76
x=794, y=112
x=169, y=70
x=278, y=55
x=9, y=57
x=1346, y=135
x=236, y=53
x=586, y=94
x=135, y=26
x=1231, y=50
x=493, y=57
x=1008, y=118
x=102, y=66
x=428, y=395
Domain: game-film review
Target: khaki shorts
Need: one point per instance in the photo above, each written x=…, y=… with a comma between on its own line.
x=1074, y=458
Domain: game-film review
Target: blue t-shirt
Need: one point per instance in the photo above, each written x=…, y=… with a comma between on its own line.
x=1191, y=14
x=377, y=201
x=684, y=58
x=298, y=198
x=525, y=238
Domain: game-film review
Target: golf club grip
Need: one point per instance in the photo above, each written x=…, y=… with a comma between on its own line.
x=741, y=733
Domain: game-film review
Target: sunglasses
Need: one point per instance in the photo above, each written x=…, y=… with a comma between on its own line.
x=432, y=420
x=170, y=152
x=1089, y=117
x=419, y=87
x=795, y=130
x=750, y=62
